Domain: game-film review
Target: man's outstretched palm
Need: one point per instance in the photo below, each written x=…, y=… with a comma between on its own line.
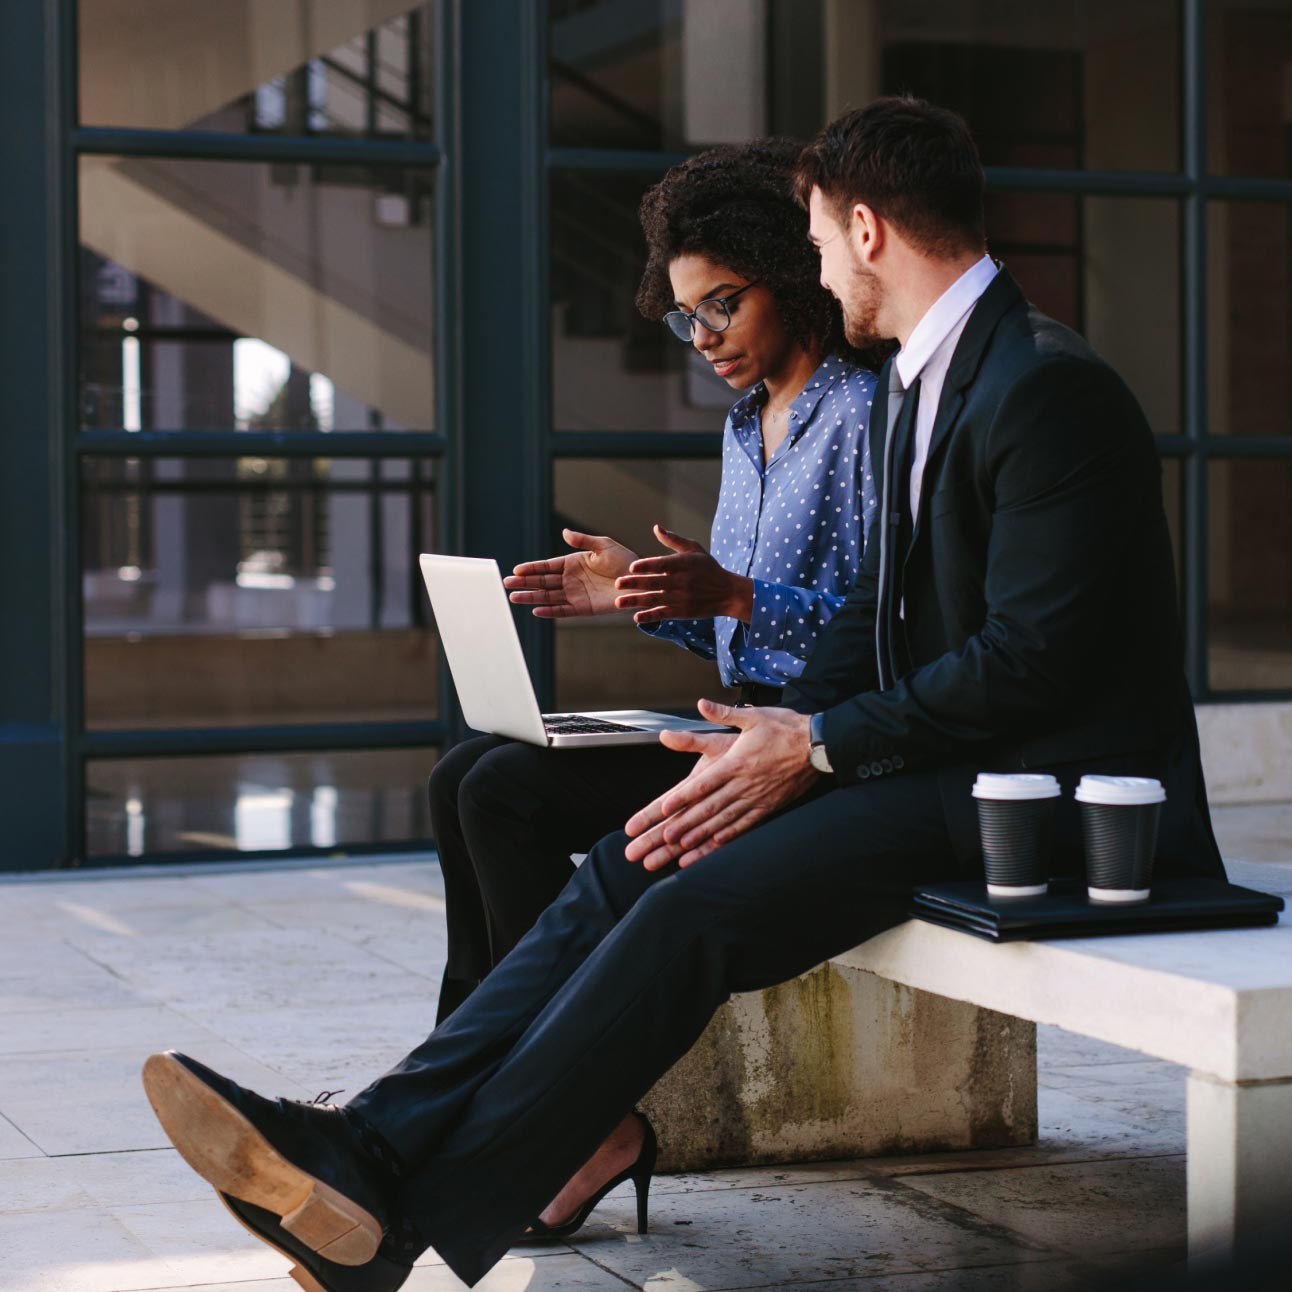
x=579, y=583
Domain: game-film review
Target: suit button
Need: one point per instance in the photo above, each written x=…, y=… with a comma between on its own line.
x=888, y=764
x=898, y=762
x=877, y=769
x=863, y=773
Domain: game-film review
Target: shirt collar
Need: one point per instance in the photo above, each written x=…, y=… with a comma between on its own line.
x=940, y=320
x=805, y=402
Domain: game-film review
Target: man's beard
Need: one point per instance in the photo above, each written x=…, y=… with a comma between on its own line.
x=861, y=309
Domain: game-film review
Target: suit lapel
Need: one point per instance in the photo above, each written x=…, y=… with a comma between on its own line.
x=1002, y=294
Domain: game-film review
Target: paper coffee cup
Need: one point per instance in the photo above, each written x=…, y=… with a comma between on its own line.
x=1016, y=824
x=1119, y=819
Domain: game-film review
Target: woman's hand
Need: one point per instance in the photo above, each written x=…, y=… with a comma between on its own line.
x=687, y=585
x=580, y=583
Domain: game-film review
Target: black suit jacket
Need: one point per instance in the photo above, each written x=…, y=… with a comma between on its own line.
x=1041, y=628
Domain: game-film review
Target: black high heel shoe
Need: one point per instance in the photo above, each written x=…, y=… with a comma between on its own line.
x=639, y=1173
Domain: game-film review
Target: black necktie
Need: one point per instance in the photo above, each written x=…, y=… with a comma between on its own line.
x=901, y=527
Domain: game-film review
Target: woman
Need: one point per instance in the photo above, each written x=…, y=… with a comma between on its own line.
x=730, y=271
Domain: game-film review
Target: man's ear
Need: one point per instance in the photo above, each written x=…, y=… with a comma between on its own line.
x=865, y=232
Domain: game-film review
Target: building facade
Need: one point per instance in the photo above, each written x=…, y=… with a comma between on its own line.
x=294, y=291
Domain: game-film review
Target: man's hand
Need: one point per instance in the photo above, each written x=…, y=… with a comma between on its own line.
x=580, y=583
x=739, y=780
x=687, y=585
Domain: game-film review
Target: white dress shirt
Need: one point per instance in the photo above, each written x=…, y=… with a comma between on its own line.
x=927, y=355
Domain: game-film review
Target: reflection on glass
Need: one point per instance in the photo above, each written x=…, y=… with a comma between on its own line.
x=1249, y=536
x=257, y=802
x=612, y=369
x=222, y=295
x=299, y=67
x=604, y=663
x=652, y=75
x=256, y=590
x=1109, y=268
x=1249, y=47
x=1249, y=318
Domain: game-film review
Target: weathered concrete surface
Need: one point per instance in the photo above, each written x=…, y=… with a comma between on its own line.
x=840, y=1063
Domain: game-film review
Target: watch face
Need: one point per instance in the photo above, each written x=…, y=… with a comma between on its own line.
x=819, y=758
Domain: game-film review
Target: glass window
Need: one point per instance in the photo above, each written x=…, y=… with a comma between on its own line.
x=248, y=591
x=607, y=662
x=1109, y=268
x=296, y=67
x=1249, y=318
x=260, y=296
x=1249, y=93
x=612, y=369
x=660, y=75
x=1250, y=575
x=257, y=802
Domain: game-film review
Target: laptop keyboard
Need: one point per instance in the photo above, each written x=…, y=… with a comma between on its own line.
x=573, y=725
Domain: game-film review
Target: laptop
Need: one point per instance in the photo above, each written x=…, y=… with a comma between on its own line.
x=474, y=618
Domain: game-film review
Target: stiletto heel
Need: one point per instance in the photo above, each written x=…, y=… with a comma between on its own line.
x=640, y=1173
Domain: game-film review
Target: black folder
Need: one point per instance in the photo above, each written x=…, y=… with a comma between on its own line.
x=1066, y=911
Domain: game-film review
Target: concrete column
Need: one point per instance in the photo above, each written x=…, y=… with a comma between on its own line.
x=842, y=1063
x=724, y=61
x=851, y=54
x=1240, y=1166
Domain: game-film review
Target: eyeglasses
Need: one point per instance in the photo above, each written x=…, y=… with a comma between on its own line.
x=712, y=314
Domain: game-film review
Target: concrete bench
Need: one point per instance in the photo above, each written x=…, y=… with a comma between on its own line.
x=923, y=1039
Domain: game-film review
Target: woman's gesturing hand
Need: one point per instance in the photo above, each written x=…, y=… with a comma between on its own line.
x=579, y=583
x=687, y=585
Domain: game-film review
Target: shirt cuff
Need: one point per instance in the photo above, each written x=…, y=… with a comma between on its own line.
x=768, y=617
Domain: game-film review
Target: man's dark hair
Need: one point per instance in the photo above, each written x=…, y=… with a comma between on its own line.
x=735, y=204
x=911, y=162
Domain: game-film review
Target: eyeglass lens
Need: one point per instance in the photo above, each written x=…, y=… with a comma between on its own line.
x=712, y=314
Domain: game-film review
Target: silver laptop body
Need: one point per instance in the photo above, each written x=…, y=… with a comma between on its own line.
x=474, y=620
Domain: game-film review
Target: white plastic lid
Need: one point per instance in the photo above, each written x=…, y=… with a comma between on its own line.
x=1015, y=786
x=1120, y=791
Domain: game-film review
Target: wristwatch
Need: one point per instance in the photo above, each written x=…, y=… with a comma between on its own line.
x=817, y=755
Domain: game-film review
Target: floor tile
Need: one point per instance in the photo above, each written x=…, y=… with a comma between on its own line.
x=774, y=1235
x=1034, y=1276
x=321, y=1046
x=93, y=1102
x=145, y=1027
x=199, y=1242
x=89, y=926
x=566, y=1273
x=1088, y=1209
x=98, y=1179
x=1056, y=1048
x=41, y=1252
x=14, y=1144
x=255, y=969
x=71, y=982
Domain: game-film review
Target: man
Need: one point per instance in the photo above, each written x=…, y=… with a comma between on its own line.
x=1017, y=612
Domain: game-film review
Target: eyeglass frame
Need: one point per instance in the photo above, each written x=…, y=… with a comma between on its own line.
x=692, y=320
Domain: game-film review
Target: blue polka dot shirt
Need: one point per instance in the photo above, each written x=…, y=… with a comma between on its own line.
x=797, y=526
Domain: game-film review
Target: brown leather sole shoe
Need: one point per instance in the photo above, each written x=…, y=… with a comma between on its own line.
x=311, y=1271
x=231, y=1154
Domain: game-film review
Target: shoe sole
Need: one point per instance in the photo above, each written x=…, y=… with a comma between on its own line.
x=230, y=1154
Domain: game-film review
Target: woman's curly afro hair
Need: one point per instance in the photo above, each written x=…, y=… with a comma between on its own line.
x=735, y=205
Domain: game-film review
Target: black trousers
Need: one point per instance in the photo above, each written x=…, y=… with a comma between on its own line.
x=500, y=1106
x=506, y=817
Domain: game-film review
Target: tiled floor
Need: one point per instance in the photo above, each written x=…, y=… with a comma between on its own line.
x=296, y=979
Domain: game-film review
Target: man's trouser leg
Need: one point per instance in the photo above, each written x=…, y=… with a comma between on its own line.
x=506, y=817
x=501, y=1105
x=525, y=809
